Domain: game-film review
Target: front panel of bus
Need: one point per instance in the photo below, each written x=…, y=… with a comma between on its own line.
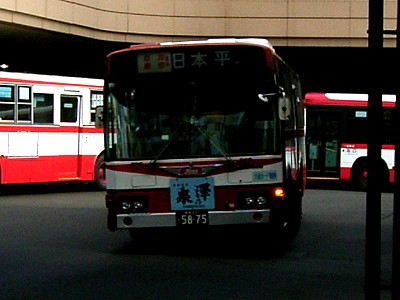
x=192, y=129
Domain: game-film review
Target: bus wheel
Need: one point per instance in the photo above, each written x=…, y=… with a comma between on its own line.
x=100, y=173
x=284, y=228
x=361, y=175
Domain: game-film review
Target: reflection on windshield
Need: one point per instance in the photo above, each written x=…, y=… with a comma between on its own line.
x=147, y=125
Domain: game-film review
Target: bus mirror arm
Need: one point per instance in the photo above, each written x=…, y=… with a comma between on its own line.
x=264, y=97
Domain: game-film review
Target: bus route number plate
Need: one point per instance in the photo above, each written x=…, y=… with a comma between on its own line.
x=192, y=218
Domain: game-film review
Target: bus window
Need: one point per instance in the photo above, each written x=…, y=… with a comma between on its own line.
x=24, y=104
x=7, y=105
x=98, y=115
x=43, y=107
x=69, y=109
x=96, y=101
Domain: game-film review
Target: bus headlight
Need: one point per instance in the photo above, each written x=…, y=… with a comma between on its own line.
x=126, y=205
x=132, y=204
x=249, y=201
x=253, y=200
x=262, y=201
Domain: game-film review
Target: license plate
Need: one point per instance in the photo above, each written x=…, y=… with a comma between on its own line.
x=192, y=218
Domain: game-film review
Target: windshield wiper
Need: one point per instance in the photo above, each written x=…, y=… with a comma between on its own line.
x=166, y=145
x=201, y=130
x=216, y=145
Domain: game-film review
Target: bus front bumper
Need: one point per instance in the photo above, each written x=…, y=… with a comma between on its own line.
x=152, y=220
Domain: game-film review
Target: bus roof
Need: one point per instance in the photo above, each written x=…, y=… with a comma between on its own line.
x=251, y=41
x=29, y=78
x=344, y=99
x=260, y=42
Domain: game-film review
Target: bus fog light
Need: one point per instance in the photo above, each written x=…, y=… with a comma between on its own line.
x=257, y=216
x=128, y=221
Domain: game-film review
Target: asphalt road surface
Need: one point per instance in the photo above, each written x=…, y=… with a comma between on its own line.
x=54, y=244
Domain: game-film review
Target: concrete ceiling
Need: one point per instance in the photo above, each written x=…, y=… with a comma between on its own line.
x=33, y=50
x=333, y=69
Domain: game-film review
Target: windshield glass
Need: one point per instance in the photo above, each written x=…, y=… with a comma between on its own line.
x=159, y=115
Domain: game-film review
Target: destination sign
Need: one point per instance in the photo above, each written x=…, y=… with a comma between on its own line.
x=162, y=62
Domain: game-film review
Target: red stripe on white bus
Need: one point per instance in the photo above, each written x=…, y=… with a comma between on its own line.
x=345, y=174
x=336, y=99
x=50, y=80
x=365, y=146
x=219, y=166
x=47, y=169
x=50, y=128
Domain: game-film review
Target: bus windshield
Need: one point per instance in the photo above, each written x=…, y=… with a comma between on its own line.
x=217, y=108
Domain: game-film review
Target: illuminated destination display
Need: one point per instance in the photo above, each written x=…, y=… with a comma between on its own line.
x=154, y=62
x=163, y=62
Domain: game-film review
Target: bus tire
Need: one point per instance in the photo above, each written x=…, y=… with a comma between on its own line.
x=100, y=173
x=285, y=226
x=292, y=227
x=360, y=175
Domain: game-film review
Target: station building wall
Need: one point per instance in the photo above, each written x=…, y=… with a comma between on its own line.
x=317, y=23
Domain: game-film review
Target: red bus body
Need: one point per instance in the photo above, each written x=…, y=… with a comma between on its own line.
x=47, y=129
x=336, y=125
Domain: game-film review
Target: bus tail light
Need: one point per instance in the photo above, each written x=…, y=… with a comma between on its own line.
x=279, y=193
x=278, y=198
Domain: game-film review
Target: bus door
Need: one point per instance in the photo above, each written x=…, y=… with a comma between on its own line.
x=69, y=159
x=323, y=142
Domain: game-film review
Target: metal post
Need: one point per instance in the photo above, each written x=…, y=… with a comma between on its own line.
x=396, y=196
x=374, y=115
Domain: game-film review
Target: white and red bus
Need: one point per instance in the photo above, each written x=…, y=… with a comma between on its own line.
x=337, y=134
x=48, y=129
x=203, y=134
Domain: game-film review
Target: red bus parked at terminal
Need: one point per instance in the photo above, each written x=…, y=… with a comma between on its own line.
x=48, y=129
x=337, y=134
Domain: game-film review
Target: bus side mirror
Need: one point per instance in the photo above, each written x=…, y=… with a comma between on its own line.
x=284, y=108
x=99, y=116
